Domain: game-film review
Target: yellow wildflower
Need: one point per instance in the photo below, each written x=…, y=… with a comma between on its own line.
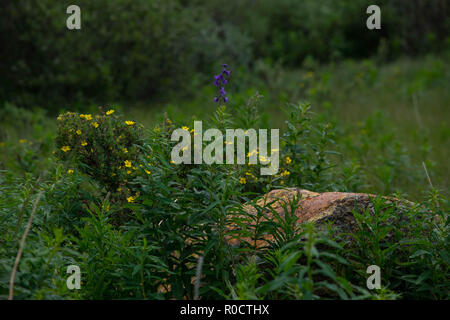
x=110, y=112
x=131, y=199
x=185, y=128
x=243, y=180
x=78, y=132
x=95, y=124
x=70, y=171
x=125, y=150
x=83, y=143
x=288, y=160
x=128, y=171
x=127, y=163
x=147, y=171
x=285, y=173
x=65, y=148
x=23, y=140
x=129, y=123
x=86, y=116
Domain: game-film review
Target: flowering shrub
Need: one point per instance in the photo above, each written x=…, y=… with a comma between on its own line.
x=102, y=146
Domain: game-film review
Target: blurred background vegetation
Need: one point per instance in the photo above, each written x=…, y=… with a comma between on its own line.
x=386, y=90
x=143, y=49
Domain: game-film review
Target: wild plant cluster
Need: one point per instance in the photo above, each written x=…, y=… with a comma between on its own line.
x=141, y=227
x=109, y=150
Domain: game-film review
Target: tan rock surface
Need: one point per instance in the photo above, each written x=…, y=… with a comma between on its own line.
x=312, y=206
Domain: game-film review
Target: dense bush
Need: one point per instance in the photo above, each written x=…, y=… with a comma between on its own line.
x=102, y=146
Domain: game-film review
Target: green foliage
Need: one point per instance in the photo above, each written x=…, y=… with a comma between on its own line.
x=409, y=245
x=103, y=146
x=179, y=213
x=306, y=144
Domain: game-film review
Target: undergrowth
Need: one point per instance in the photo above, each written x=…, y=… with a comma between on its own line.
x=137, y=225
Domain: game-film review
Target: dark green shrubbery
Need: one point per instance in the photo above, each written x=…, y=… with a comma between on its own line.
x=133, y=50
x=177, y=215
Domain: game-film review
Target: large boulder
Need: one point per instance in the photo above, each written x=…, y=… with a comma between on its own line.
x=309, y=207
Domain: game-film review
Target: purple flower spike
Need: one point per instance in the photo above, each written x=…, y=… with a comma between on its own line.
x=220, y=81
